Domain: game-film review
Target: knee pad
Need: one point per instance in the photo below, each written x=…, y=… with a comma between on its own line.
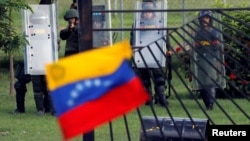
x=17, y=85
x=20, y=88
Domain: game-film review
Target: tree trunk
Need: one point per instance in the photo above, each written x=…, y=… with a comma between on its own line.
x=11, y=59
x=12, y=74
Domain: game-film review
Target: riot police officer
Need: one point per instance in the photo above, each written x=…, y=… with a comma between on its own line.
x=205, y=51
x=39, y=85
x=99, y=37
x=41, y=32
x=151, y=74
x=70, y=33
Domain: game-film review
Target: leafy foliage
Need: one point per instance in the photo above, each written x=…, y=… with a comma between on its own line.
x=9, y=38
x=237, y=27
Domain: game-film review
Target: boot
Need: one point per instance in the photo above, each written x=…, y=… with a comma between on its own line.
x=47, y=103
x=211, y=93
x=39, y=103
x=52, y=110
x=208, y=96
x=204, y=97
x=20, y=100
x=160, y=96
x=20, y=97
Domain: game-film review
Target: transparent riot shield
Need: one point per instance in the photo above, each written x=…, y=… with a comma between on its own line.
x=144, y=39
x=207, y=64
x=101, y=20
x=40, y=28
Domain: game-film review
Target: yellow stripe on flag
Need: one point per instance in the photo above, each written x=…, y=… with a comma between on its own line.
x=93, y=63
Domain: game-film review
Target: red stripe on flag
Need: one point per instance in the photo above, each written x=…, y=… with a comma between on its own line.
x=116, y=102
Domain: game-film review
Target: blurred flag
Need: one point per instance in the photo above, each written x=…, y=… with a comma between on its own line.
x=94, y=87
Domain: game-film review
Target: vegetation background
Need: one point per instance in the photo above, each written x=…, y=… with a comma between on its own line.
x=30, y=127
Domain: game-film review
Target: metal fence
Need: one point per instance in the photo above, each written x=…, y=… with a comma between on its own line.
x=182, y=17
x=178, y=12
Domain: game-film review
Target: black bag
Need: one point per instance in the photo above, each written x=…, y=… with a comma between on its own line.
x=167, y=130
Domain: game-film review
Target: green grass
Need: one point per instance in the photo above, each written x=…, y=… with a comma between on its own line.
x=30, y=127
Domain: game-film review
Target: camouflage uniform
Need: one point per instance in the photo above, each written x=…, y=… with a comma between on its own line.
x=70, y=35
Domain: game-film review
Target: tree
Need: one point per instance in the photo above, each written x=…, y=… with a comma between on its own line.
x=237, y=58
x=10, y=40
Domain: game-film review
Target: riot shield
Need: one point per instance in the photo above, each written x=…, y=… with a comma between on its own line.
x=143, y=40
x=40, y=28
x=101, y=20
x=207, y=63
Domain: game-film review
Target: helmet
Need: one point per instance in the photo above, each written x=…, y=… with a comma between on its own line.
x=205, y=13
x=71, y=13
x=147, y=7
x=146, y=2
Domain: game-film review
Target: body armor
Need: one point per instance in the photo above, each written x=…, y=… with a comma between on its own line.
x=208, y=60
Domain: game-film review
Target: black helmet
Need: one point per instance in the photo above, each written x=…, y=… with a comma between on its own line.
x=148, y=0
x=145, y=2
x=205, y=13
x=71, y=13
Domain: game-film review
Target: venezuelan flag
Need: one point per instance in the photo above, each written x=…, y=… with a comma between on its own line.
x=94, y=87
